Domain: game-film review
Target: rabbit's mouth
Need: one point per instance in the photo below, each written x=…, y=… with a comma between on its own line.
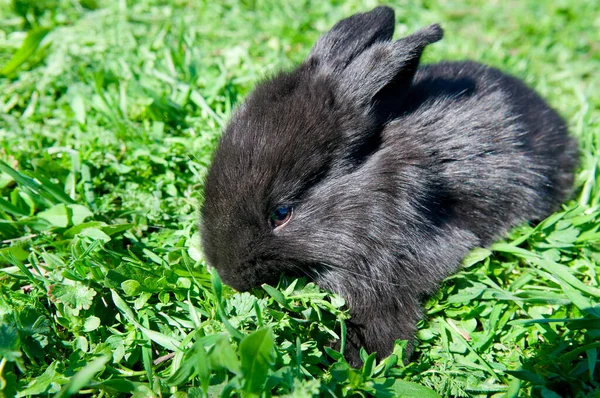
x=250, y=276
x=238, y=282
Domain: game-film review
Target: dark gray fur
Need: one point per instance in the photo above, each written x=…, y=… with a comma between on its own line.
x=394, y=171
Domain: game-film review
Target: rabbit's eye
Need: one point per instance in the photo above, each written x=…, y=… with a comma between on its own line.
x=280, y=216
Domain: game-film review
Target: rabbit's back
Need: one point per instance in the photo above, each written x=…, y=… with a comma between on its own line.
x=503, y=155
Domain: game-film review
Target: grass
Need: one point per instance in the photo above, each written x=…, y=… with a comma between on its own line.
x=109, y=112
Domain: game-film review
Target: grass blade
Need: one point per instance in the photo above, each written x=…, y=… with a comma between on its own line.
x=27, y=49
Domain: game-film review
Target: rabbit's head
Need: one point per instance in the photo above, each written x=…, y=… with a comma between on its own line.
x=280, y=195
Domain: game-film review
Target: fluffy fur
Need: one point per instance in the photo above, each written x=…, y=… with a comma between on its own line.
x=394, y=173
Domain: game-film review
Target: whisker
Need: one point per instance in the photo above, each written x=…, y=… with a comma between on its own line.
x=306, y=272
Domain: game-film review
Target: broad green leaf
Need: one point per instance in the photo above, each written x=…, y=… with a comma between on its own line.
x=217, y=285
x=592, y=359
x=8, y=384
x=475, y=256
x=369, y=365
x=277, y=296
x=120, y=385
x=340, y=371
x=390, y=363
x=53, y=261
x=168, y=342
x=57, y=216
x=113, y=229
x=468, y=294
x=333, y=354
x=131, y=287
x=202, y=367
x=527, y=375
x=143, y=391
x=343, y=336
x=551, y=220
x=5, y=180
x=42, y=383
x=14, y=251
x=513, y=389
x=71, y=232
x=337, y=301
x=222, y=355
x=568, y=235
x=95, y=234
x=9, y=343
x=78, y=107
x=152, y=256
x=407, y=389
x=79, y=214
x=76, y=295
x=257, y=356
x=32, y=321
x=91, y=323
x=81, y=343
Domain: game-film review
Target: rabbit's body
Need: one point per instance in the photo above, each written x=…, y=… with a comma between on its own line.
x=499, y=154
x=474, y=153
x=375, y=177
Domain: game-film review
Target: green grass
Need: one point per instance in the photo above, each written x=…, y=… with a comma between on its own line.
x=109, y=112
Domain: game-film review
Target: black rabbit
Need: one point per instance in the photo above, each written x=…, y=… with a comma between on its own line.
x=374, y=177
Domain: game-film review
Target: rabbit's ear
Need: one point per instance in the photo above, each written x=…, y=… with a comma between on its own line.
x=387, y=65
x=351, y=36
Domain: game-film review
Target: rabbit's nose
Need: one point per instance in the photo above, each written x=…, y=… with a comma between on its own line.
x=235, y=278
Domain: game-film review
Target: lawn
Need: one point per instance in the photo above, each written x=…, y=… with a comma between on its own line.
x=109, y=113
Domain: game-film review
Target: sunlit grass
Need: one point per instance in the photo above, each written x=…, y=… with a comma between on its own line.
x=109, y=112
